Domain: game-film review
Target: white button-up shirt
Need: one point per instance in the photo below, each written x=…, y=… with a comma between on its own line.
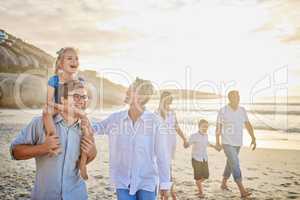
x=199, y=142
x=139, y=157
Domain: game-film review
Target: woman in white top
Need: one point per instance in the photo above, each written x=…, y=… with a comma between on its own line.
x=169, y=117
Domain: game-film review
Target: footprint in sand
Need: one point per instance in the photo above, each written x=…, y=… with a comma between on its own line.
x=293, y=197
x=288, y=177
x=286, y=184
x=294, y=173
x=293, y=193
x=252, y=169
x=251, y=178
x=296, y=183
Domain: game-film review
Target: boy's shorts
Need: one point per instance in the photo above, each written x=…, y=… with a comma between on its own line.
x=200, y=169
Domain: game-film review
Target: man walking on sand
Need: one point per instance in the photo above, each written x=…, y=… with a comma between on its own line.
x=57, y=177
x=139, y=160
x=230, y=123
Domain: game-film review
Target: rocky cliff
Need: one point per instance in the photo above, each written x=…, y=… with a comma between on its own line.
x=17, y=56
x=23, y=77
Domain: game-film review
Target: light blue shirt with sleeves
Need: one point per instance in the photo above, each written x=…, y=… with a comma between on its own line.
x=57, y=177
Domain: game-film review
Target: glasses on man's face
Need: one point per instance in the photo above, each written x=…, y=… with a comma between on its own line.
x=78, y=97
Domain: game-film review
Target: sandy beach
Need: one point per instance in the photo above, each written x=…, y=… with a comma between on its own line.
x=268, y=173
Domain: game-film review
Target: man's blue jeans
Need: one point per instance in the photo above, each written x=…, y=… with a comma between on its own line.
x=233, y=162
x=123, y=194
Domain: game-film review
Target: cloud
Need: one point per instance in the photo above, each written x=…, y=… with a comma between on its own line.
x=54, y=24
x=284, y=20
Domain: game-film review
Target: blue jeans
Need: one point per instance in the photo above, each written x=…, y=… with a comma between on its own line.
x=232, y=163
x=123, y=194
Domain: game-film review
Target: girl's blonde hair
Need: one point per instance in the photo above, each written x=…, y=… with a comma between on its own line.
x=60, y=56
x=161, y=108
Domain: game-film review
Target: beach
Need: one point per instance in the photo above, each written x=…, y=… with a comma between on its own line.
x=269, y=173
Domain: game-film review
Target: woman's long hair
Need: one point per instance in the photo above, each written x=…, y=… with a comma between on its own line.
x=161, y=108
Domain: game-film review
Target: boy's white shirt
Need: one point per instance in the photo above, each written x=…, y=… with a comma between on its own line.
x=199, y=142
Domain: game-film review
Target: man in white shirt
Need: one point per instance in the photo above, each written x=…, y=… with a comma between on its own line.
x=230, y=123
x=138, y=148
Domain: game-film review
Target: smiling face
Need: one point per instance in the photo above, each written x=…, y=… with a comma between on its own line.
x=234, y=98
x=74, y=95
x=203, y=126
x=132, y=96
x=139, y=93
x=69, y=62
x=78, y=98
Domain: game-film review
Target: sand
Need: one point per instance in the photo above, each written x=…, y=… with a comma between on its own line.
x=268, y=173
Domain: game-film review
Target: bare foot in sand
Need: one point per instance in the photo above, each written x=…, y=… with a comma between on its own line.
x=201, y=195
x=224, y=187
x=246, y=194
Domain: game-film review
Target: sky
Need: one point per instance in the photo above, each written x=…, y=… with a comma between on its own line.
x=210, y=45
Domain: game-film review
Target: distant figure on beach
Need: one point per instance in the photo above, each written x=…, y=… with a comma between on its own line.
x=57, y=177
x=139, y=161
x=169, y=117
x=199, y=143
x=230, y=123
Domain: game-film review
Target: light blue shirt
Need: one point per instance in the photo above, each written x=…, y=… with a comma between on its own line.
x=139, y=158
x=57, y=177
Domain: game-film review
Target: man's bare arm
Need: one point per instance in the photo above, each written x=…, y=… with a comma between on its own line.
x=250, y=130
x=28, y=151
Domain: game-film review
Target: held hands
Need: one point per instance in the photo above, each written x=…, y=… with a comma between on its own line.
x=253, y=144
x=185, y=143
x=218, y=147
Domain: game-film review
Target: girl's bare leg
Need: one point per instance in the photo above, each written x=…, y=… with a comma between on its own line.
x=82, y=166
x=83, y=157
x=49, y=126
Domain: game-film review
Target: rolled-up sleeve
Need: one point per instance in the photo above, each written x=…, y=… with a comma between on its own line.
x=28, y=135
x=101, y=127
x=163, y=158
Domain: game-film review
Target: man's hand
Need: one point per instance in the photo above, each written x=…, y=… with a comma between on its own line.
x=253, y=144
x=51, y=145
x=164, y=194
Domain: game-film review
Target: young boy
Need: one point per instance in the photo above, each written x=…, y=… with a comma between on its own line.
x=199, y=142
